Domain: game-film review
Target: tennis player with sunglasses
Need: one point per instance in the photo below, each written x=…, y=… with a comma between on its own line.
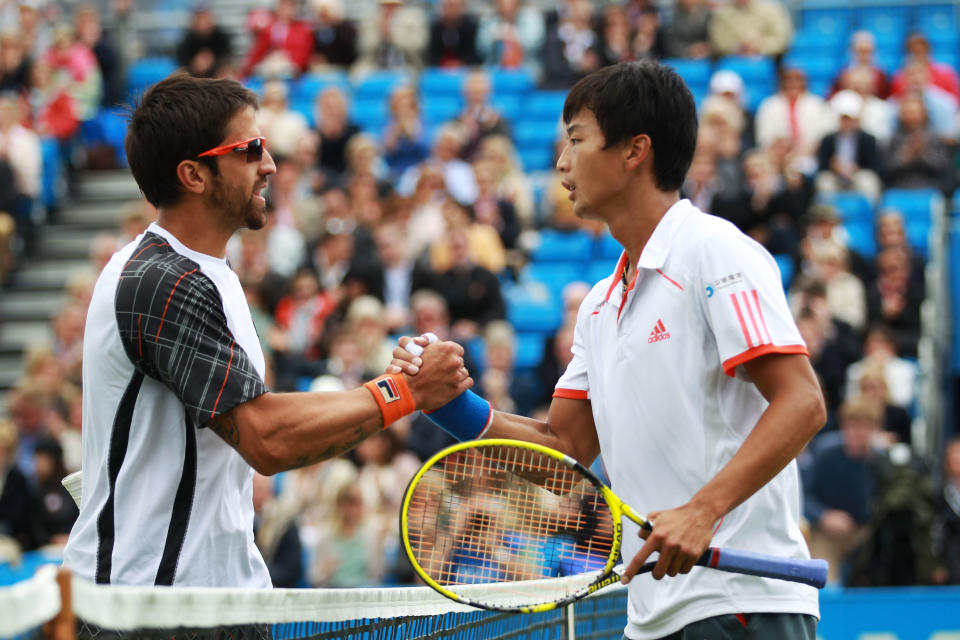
x=170, y=349
x=688, y=376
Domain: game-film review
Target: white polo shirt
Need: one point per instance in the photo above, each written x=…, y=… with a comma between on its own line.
x=660, y=364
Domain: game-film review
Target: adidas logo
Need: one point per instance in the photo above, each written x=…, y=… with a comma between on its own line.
x=659, y=333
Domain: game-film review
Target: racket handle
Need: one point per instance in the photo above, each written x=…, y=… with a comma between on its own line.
x=811, y=572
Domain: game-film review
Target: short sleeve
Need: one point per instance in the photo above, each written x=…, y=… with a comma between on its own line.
x=573, y=384
x=745, y=303
x=174, y=329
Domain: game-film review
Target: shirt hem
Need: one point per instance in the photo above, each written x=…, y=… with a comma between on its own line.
x=730, y=365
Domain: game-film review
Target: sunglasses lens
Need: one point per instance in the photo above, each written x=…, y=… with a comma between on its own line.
x=255, y=150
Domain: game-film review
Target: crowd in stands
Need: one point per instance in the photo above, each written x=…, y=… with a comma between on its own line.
x=432, y=224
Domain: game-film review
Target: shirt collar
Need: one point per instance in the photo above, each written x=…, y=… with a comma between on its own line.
x=658, y=246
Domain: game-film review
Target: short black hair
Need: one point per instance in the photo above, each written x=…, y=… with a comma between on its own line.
x=634, y=98
x=177, y=119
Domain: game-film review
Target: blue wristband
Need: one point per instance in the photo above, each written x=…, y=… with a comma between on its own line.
x=465, y=417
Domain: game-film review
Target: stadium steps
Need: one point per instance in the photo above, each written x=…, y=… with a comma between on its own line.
x=36, y=291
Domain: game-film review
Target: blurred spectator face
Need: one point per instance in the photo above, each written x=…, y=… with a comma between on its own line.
x=8, y=443
x=890, y=230
x=9, y=112
x=893, y=267
x=507, y=9
x=391, y=244
x=403, y=103
x=262, y=491
x=857, y=432
x=862, y=81
x=338, y=247
x=917, y=76
x=11, y=51
x=203, y=22
x=333, y=105
x=952, y=458
x=476, y=89
x=29, y=409
x=812, y=334
x=563, y=345
x=87, y=23
x=452, y=10
x=448, y=144
x=918, y=47
x=68, y=325
x=429, y=313
x=328, y=12
x=913, y=113
x=873, y=385
x=459, y=247
x=304, y=286
x=794, y=83
x=878, y=345
x=336, y=203
x=274, y=96
x=863, y=48
x=286, y=10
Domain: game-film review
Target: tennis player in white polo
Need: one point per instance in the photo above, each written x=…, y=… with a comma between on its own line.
x=688, y=373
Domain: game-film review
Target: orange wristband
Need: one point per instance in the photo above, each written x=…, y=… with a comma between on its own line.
x=393, y=397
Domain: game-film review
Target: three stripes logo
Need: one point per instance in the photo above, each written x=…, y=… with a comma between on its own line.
x=388, y=389
x=659, y=333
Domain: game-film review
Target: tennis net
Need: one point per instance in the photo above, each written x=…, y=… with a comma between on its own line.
x=398, y=613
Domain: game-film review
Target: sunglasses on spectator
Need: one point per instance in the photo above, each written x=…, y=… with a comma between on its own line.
x=253, y=147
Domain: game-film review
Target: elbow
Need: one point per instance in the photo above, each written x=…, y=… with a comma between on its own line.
x=264, y=461
x=813, y=407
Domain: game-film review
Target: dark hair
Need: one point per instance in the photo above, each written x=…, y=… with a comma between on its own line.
x=633, y=98
x=177, y=119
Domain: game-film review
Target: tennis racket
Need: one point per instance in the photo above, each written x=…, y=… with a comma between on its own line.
x=494, y=523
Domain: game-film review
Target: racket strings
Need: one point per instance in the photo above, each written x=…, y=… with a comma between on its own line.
x=506, y=514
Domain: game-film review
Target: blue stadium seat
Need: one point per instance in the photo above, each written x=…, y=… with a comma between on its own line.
x=563, y=246
x=533, y=133
x=545, y=105
x=812, y=41
x=884, y=19
x=553, y=275
x=861, y=237
x=914, y=204
x=370, y=115
x=52, y=178
x=918, y=235
x=148, y=71
x=442, y=82
x=954, y=275
x=759, y=76
x=607, y=247
x=935, y=17
x=306, y=108
x=832, y=22
x=600, y=269
x=440, y=108
x=696, y=73
x=379, y=84
x=508, y=104
x=513, y=81
x=533, y=315
x=786, y=265
x=310, y=85
x=529, y=351
x=535, y=159
x=851, y=206
x=113, y=124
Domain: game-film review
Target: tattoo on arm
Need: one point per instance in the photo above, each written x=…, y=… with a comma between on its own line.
x=225, y=425
x=358, y=436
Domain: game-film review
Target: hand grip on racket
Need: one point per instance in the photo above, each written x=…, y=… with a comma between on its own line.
x=494, y=524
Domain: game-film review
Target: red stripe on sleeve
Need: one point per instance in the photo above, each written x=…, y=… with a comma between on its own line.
x=730, y=365
x=756, y=301
x=224, y=384
x=743, y=324
x=152, y=244
x=572, y=394
x=164, y=316
x=753, y=320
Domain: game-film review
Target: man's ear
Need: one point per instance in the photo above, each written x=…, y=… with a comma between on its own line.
x=637, y=150
x=194, y=176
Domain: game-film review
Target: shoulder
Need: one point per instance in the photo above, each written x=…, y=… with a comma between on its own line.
x=706, y=240
x=154, y=269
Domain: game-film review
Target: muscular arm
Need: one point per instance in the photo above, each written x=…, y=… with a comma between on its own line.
x=278, y=431
x=796, y=412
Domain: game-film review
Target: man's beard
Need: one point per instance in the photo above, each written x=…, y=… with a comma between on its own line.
x=234, y=209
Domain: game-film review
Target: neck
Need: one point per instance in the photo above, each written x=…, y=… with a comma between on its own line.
x=192, y=226
x=634, y=223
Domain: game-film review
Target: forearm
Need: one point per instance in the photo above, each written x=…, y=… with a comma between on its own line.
x=276, y=432
x=569, y=429
x=788, y=423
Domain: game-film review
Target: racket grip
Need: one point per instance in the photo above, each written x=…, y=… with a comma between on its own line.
x=811, y=572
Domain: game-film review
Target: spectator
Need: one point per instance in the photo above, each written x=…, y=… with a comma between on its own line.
x=917, y=157
x=90, y=33
x=282, y=42
x=363, y=157
x=726, y=88
x=876, y=116
x=479, y=118
x=458, y=176
x=484, y=246
x=19, y=515
x=14, y=64
x=846, y=295
x=279, y=124
x=863, y=46
x=849, y=159
x=285, y=194
x=366, y=319
x=512, y=184
x=489, y=208
x=511, y=37
x=941, y=105
x=453, y=37
x=750, y=28
x=393, y=38
x=35, y=29
x=496, y=382
x=892, y=233
x=840, y=485
x=794, y=114
x=349, y=550
x=32, y=416
x=80, y=71
x=404, y=139
x=946, y=527
x=896, y=420
x=616, y=39
x=205, y=50
x=335, y=129
x=688, y=34
x=385, y=471
x=276, y=534
x=8, y=248
x=334, y=37
x=940, y=75
x=58, y=511
x=571, y=48
x=895, y=296
x=472, y=292
x=880, y=349
x=298, y=329
x=331, y=258
x=20, y=152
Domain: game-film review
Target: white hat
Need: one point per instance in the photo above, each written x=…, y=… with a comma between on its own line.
x=847, y=103
x=726, y=81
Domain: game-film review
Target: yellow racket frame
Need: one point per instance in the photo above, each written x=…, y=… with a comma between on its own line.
x=618, y=509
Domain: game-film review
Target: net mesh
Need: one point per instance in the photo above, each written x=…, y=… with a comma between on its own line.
x=510, y=515
x=408, y=613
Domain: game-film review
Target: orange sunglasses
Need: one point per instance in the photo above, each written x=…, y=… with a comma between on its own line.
x=253, y=147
